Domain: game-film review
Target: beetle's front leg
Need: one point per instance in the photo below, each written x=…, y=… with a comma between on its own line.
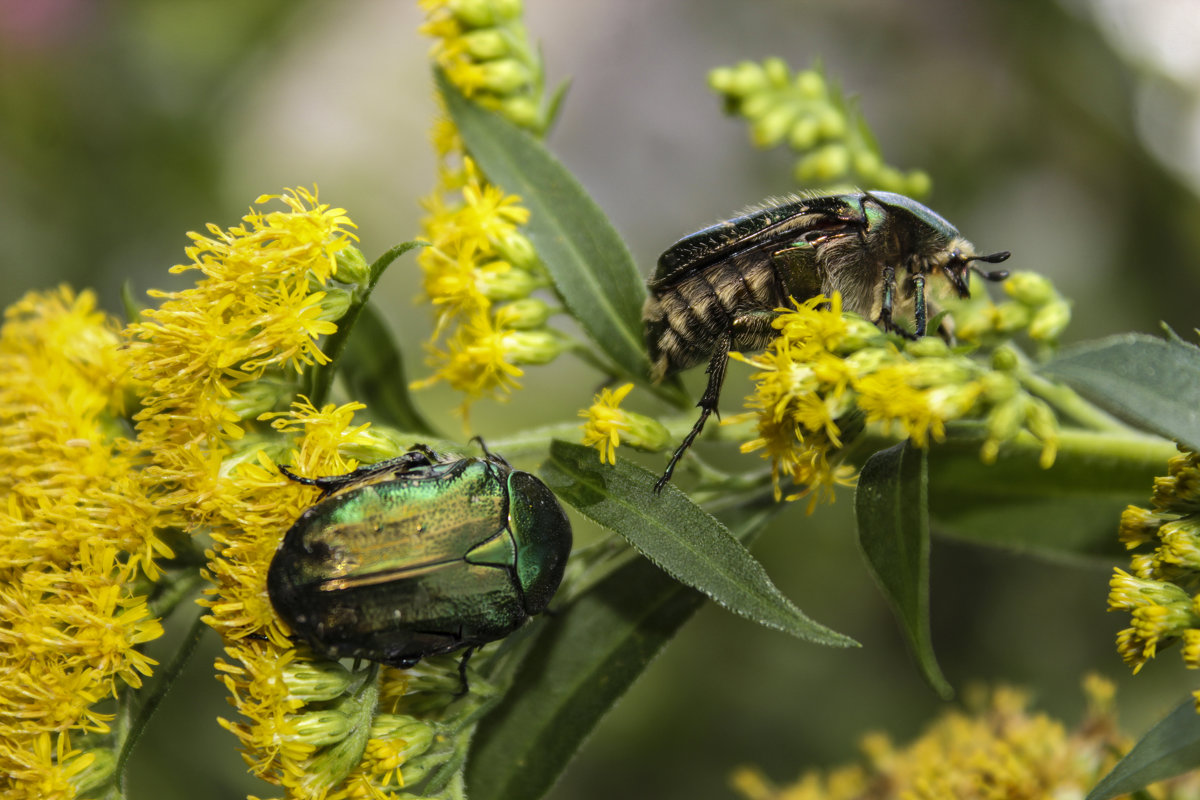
x=885, y=322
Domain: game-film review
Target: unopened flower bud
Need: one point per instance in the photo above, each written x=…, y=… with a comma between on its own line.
x=312, y=681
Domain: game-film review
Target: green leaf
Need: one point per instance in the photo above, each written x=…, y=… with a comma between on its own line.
x=584, y=661
x=1150, y=382
x=373, y=371
x=893, y=531
x=1067, y=511
x=678, y=536
x=591, y=267
x=318, y=378
x=1172, y=747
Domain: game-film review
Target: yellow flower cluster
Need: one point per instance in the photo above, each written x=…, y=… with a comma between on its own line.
x=480, y=271
x=77, y=543
x=213, y=361
x=823, y=365
x=996, y=748
x=1035, y=308
x=1158, y=590
x=836, y=150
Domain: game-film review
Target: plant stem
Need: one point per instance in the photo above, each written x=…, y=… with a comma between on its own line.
x=166, y=680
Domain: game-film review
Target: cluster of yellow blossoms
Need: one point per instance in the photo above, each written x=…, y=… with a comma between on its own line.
x=1159, y=589
x=994, y=748
x=78, y=543
x=90, y=489
x=480, y=271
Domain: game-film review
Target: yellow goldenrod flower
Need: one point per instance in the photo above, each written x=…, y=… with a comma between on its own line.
x=78, y=529
x=607, y=424
x=995, y=747
x=478, y=261
x=1159, y=591
x=823, y=365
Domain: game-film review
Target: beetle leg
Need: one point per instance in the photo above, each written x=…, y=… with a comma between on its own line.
x=884, y=321
x=919, y=303
x=707, y=404
x=464, y=686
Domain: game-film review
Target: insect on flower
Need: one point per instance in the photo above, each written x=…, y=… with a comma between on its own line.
x=717, y=289
x=419, y=555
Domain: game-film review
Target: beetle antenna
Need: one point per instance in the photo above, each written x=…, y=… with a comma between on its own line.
x=993, y=258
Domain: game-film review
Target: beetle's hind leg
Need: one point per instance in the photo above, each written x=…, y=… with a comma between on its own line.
x=750, y=331
x=707, y=404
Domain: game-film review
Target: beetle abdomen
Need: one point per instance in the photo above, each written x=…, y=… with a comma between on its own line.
x=686, y=317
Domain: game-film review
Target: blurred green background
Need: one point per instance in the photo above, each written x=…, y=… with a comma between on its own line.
x=1063, y=131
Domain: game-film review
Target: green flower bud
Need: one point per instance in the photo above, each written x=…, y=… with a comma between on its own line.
x=533, y=347
x=526, y=314
x=777, y=72
x=1003, y=423
x=499, y=281
x=335, y=304
x=472, y=13
x=645, y=433
x=803, y=134
x=758, y=105
x=1050, y=321
x=1005, y=359
x=505, y=76
x=1030, y=288
x=769, y=130
x=1040, y=420
x=810, y=85
x=927, y=347
x=831, y=122
x=312, y=681
x=824, y=164
x=859, y=334
x=998, y=387
x=522, y=110
x=1012, y=317
x=251, y=399
x=377, y=443
x=517, y=250
x=416, y=735
x=100, y=771
x=352, y=266
x=485, y=44
x=321, y=728
x=866, y=163
x=507, y=10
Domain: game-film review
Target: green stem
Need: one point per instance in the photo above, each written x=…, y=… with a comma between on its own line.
x=320, y=377
x=1064, y=399
x=166, y=680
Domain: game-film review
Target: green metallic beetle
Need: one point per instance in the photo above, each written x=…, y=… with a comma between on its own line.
x=419, y=555
x=717, y=290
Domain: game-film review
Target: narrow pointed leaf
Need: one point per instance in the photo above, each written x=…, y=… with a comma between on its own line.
x=582, y=664
x=591, y=267
x=1064, y=513
x=682, y=539
x=373, y=370
x=1170, y=748
x=1150, y=382
x=891, y=506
